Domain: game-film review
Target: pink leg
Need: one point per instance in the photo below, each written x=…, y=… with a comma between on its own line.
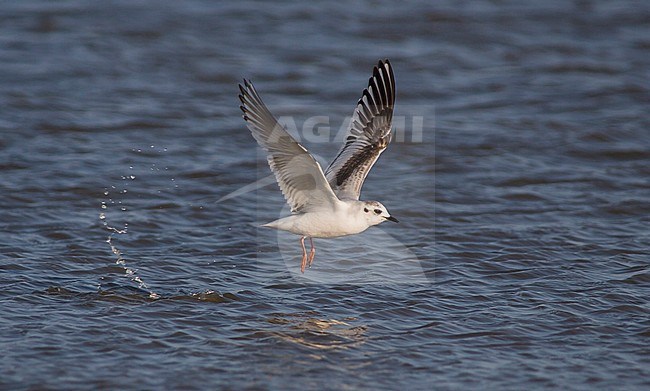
x=303, y=264
x=312, y=252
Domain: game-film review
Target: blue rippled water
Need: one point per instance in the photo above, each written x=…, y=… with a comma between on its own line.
x=521, y=181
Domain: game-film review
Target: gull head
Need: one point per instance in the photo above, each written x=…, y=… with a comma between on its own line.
x=375, y=213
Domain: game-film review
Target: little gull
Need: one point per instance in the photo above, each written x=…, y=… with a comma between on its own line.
x=327, y=205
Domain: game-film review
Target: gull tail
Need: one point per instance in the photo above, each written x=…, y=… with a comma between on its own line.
x=272, y=224
x=284, y=224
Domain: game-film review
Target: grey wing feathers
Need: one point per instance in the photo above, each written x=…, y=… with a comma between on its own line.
x=368, y=135
x=298, y=174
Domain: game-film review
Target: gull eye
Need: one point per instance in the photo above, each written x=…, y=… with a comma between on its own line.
x=378, y=211
x=365, y=210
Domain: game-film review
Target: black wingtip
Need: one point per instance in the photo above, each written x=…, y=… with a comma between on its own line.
x=244, y=91
x=247, y=85
x=382, y=66
x=385, y=68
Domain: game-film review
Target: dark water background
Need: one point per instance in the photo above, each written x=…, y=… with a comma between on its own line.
x=521, y=259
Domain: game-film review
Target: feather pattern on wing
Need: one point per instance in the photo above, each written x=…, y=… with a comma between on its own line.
x=368, y=135
x=298, y=174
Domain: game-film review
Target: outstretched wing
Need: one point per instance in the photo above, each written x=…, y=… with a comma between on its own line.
x=298, y=174
x=368, y=135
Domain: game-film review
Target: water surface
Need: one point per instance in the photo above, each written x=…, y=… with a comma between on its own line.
x=521, y=259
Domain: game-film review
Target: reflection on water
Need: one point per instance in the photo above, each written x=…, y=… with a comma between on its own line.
x=526, y=197
x=311, y=330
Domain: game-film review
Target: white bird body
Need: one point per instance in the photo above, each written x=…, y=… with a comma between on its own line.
x=326, y=204
x=347, y=218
